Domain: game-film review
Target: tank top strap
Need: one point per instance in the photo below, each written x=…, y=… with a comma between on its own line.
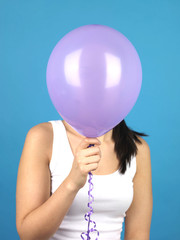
x=60, y=151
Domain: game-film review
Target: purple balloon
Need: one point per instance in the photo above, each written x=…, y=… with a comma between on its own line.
x=94, y=78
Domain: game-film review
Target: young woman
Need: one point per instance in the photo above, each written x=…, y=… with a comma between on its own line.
x=52, y=186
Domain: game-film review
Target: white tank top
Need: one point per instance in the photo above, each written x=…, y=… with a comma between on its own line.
x=113, y=194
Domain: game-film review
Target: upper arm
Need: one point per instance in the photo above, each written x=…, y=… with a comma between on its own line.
x=138, y=216
x=33, y=180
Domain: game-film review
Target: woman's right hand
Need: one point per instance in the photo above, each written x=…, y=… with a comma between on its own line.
x=85, y=160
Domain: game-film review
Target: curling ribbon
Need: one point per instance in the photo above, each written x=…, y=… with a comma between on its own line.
x=88, y=215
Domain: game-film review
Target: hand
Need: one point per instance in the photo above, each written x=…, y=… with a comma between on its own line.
x=85, y=160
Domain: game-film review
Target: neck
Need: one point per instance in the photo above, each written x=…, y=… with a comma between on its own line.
x=106, y=138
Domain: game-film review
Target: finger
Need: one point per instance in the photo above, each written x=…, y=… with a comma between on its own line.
x=92, y=159
x=85, y=143
x=95, y=150
x=91, y=167
x=93, y=140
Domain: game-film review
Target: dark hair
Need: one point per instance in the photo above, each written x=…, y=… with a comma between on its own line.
x=125, y=146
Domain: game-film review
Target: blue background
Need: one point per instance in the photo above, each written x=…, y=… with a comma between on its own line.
x=29, y=30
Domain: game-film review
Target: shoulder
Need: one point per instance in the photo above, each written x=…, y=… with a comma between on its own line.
x=41, y=129
x=143, y=147
x=143, y=158
x=41, y=133
x=42, y=136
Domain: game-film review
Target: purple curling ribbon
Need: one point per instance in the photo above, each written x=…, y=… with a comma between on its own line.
x=88, y=215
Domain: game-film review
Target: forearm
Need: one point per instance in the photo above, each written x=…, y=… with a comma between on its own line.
x=44, y=221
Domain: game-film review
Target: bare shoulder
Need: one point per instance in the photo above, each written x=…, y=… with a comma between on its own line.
x=143, y=158
x=143, y=147
x=41, y=129
x=42, y=135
